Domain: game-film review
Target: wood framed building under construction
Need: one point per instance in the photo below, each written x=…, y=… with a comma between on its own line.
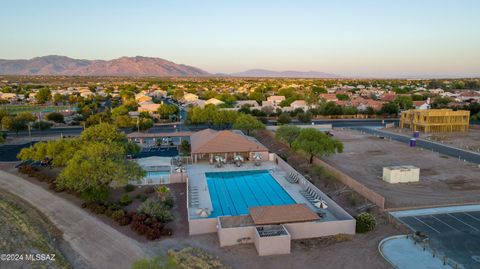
x=435, y=120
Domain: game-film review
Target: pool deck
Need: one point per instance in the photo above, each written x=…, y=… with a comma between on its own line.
x=196, y=178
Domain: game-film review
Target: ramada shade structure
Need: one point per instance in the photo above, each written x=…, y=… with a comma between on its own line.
x=209, y=143
x=266, y=215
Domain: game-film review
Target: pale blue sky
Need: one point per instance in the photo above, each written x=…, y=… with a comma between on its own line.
x=359, y=38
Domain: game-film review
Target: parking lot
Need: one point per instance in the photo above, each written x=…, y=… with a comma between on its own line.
x=454, y=234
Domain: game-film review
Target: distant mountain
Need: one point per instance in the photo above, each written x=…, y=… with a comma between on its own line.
x=283, y=74
x=124, y=66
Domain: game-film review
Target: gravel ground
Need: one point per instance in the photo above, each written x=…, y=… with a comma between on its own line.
x=443, y=180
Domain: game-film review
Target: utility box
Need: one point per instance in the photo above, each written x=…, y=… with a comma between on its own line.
x=401, y=174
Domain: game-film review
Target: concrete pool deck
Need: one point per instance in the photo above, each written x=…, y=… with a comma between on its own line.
x=402, y=253
x=197, y=180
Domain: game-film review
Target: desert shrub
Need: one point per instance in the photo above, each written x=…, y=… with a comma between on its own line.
x=152, y=234
x=125, y=199
x=352, y=200
x=129, y=188
x=365, y=222
x=123, y=221
x=157, y=210
x=149, y=190
x=154, y=263
x=118, y=214
x=27, y=169
x=169, y=202
x=195, y=258
x=142, y=197
x=95, y=194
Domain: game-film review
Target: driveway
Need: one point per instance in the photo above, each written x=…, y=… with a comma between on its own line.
x=97, y=243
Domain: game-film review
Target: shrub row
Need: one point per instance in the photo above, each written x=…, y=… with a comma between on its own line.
x=148, y=226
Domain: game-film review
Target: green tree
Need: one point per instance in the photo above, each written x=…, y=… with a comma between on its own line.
x=343, y=97
x=96, y=166
x=390, y=108
x=15, y=124
x=287, y=133
x=284, y=118
x=43, y=95
x=313, y=142
x=185, y=148
x=305, y=117
x=124, y=121
x=404, y=102
x=248, y=123
x=42, y=125
x=441, y=102
x=56, y=117
x=166, y=110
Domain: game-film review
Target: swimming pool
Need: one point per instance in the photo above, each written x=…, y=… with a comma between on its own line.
x=232, y=193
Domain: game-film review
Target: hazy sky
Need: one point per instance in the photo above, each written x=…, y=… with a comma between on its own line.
x=359, y=38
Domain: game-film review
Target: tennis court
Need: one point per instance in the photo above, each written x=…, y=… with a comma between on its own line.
x=452, y=234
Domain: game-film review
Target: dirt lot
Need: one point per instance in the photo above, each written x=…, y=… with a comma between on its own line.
x=469, y=141
x=443, y=180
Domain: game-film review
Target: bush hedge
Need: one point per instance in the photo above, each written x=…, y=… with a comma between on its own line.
x=365, y=222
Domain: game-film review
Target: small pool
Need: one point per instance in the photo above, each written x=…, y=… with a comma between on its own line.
x=157, y=174
x=232, y=193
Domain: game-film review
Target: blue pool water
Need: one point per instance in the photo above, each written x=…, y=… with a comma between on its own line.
x=232, y=193
x=157, y=174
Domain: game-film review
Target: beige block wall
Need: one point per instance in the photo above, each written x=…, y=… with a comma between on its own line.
x=304, y=230
x=272, y=245
x=235, y=236
x=363, y=190
x=202, y=226
x=178, y=177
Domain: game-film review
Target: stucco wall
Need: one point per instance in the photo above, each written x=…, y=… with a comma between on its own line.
x=304, y=230
x=272, y=245
x=202, y=226
x=178, y=177
x=235, y=236
x=363, y=190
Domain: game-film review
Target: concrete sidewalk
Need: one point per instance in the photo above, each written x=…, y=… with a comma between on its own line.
x=99, y=244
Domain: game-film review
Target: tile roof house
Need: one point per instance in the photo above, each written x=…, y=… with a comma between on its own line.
x=276, y=99
x=189, y=97
x=148, y=107
x=299, y=104
x=251, y=103
x=214, y=101
x=328, y=97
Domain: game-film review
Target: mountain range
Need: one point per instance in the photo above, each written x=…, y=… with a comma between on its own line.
x=283, y=74
x=124, y=66
x=130, y=66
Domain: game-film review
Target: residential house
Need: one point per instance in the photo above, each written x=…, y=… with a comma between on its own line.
x=275, y=99
x=189, y=98
x=328, y=97
x=250, y=103
x=148, y=107
x=214, y=101
x=299, y=104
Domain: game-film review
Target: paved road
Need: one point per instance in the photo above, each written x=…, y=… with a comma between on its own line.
x=96, y=242
x=437, y=147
